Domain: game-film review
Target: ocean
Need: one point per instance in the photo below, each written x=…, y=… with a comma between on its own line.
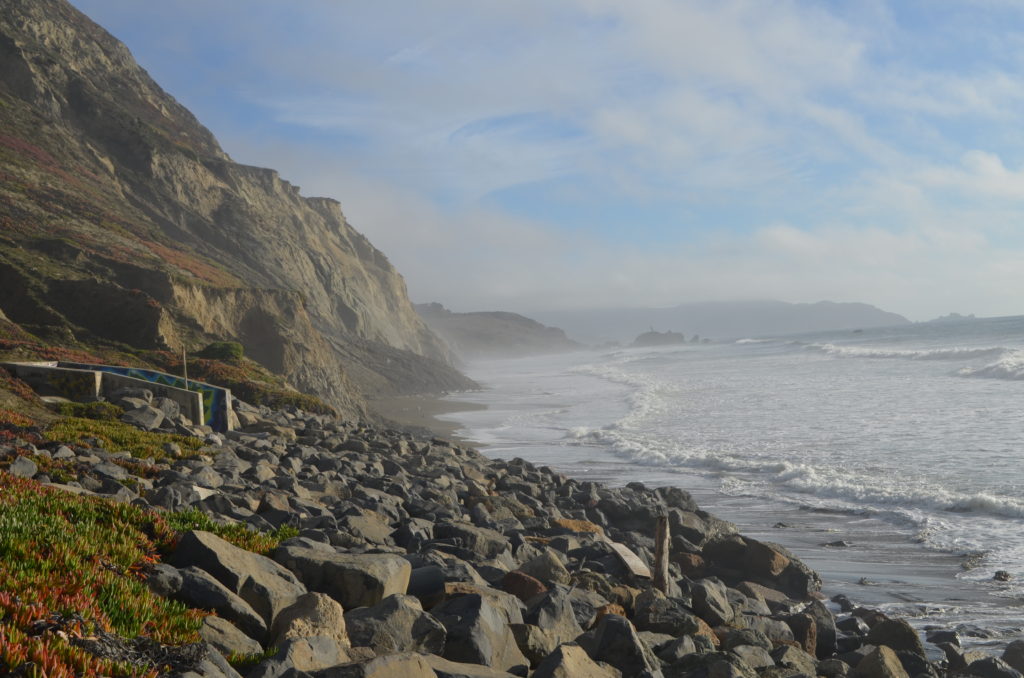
x=888, y=459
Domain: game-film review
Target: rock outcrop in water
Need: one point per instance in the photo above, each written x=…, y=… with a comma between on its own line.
x=123, y=221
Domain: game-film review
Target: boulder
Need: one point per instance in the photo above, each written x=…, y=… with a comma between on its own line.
x=789, y=657
x=522, y=585
x=164, y=580
x=656, y=612
x=200, y=590
x=353, y=580
x=1013, y=654
x=825, y=625
x=312, y=614
x=23, y=467
x=755, y=657
x=572, y=661
x=547, y=567
x=145, y=417
x=805, y=631
x=897, y=634
x=614, y=641
x=483, y=541
x=396, y=624
x=991, y=667
x=445, y=668
x=552, y=612
x=265, y=585
x=226, y=638
x=405, y=665
x=301, y=654
x=711, y=603
x=478, y=633
x=882, y=662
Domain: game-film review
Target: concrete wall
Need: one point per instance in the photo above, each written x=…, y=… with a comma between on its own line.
x=202, y=403
x=217, y=412
x=47, y=379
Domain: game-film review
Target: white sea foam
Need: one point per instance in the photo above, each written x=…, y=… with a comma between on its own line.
x=1011, y=367
x=952, y=353
x=753, y=341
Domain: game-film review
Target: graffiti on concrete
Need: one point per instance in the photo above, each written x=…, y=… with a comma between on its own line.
x=74, y=386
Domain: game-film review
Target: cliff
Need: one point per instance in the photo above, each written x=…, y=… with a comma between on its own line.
x=123, y=221
x=494, y=333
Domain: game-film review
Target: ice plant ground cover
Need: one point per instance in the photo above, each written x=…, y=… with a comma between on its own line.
x=73, y=566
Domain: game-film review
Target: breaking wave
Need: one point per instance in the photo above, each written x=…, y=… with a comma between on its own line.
x=953, y=353
x=1011, y=367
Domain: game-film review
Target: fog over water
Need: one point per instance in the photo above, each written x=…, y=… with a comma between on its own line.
x=902, y=442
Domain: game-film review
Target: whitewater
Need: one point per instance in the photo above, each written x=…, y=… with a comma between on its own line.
x=889, y=459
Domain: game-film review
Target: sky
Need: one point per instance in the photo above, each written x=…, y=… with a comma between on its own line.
x=538, y=155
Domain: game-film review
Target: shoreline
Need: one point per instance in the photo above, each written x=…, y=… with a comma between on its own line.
x=880, y=567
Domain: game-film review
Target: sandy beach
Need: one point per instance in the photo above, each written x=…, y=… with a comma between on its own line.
x=420, y=412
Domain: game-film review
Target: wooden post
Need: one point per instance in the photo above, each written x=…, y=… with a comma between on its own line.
x=184, y=366
x=661, y=549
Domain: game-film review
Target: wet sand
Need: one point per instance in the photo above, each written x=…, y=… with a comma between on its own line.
x=420, y=412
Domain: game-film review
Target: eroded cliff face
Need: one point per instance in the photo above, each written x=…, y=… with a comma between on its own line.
x=123, y=220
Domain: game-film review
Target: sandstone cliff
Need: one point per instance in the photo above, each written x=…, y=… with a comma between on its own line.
x=122, y=220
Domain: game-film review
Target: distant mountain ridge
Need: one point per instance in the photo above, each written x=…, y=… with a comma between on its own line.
x=718, y=320
x=491, y=334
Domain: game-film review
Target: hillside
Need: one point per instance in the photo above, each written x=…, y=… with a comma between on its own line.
x=489, y=334
x=719, y=320
x=123, y=223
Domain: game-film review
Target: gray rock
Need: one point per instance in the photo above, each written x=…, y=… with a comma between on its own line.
x=396, y=624
x=1013, y=654
x=758, y=657
x=227, y=638
x=552, y=612
x=487, y=543
x=655, y=612
x=614, y=641
x=897, y=634
x=676, y=649
x=23, y=467
x=711, y=603
x=145, y=417
x=164, y=580
x=404, y=665
x=826, y=629
x=199, y=589
x=789, y=657
x=572, y=661
x=264, y=584
x=312, y=614
x=478, y=633
x=547, y=567
x=352, y=580
x=991, y=667
x=170, y=408
x=301, y=654
x=445, y=668
x=880, y=663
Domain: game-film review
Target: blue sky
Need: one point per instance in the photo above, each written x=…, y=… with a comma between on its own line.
x=537, y=155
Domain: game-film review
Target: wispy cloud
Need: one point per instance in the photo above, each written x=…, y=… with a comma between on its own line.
x=537, y=154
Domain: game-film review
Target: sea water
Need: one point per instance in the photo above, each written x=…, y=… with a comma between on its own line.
x=887, y=458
